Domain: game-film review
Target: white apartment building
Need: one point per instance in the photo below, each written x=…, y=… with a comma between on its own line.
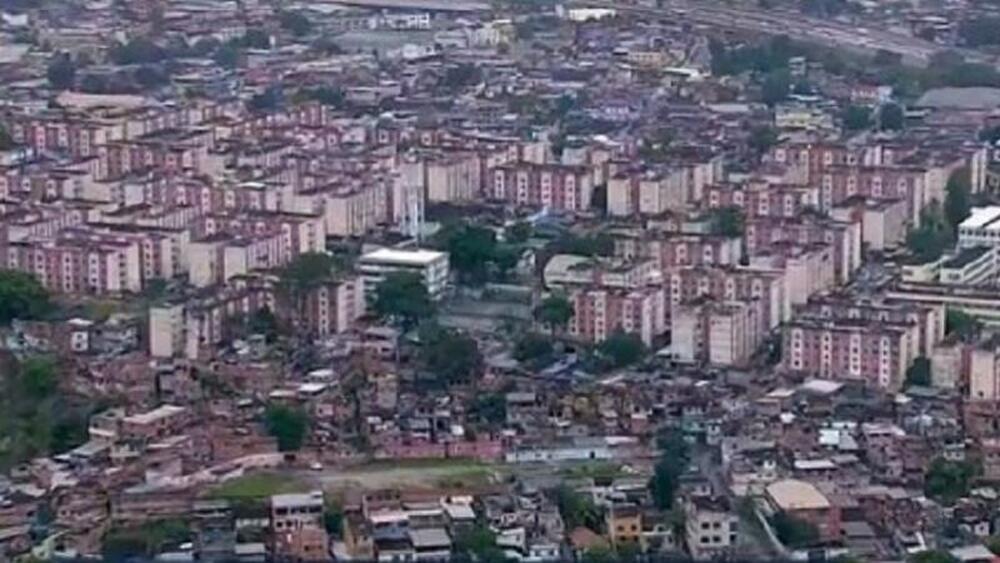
x=431, y=265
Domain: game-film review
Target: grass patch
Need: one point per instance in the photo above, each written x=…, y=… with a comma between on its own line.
x=594, y=470
x=258, y=486
x=424, y=463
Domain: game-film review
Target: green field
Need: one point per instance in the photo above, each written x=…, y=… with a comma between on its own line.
x=258, y=485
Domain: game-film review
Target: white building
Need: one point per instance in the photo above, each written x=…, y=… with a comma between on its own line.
x=982, y=227
x=973, y=265
x=431, y=265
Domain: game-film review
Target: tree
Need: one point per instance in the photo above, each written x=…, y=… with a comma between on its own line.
x=519, y=232
x=472, y=250
x=61, y=72
x=726, y=221
x=295, y=22
x=956, y=203
x=555, y=312
x=451, y=356
x=891, y=117
x=673, y=462
x=762, y=139
x=333, y=519
x=403, y=297
x=227, y=56
x=980, y=30
x=305, y=273
x=947, y=481
x=333, y=97
x=622, y=349
x=490, y=408
x=461, y=76
x=794, y=532
x=961, y=323
x=577, y=510
x=775, y=87
x=138, y=50
x=6, y=141
x=478, y=543
x=919, y=373
x=534, y=349
x=256, y=38
x=263, y=322
x=268, y=100
x=288, y=425
x=929, y=241
x=21, y=297
x=599, y=244
x=38, y=377
x=857, y=118
x=993, y=544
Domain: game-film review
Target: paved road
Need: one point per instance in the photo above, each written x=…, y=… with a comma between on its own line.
x=795, y=25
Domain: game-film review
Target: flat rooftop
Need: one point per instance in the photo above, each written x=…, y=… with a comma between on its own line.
x=418, y=257
x=982, y=217
x=966, y=256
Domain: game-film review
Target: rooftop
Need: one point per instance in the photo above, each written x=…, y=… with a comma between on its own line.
x=966, y=256
x=792, y=494
x=982, y=217
x=419, y=257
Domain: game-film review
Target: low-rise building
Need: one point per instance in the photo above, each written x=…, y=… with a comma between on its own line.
x=430, y=265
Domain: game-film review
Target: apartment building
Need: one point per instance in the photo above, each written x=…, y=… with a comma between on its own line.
x=731, y=284
x=599, y=312
x=982, y=397
x=711, y=527
x=764, y=199
x=928, y=320
x=296, y=511
x=551, y=186
x=564, y=271
x=335, y=306
x=77, y=264
x=453, y=177
x=725, y=333
x=647, y=192
x=762, y=233
x=884, y=223
x=874, y=353
x=193, y=329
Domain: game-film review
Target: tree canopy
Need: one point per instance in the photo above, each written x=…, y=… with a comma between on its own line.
x=295, y=23
x=61, y=72
x=451, y=357
x=961, y=323
x=892, y=117
x=856, y=118
x=621, y=349
x=288, y=425
x=957, y=204
x=577, y=510
x=403, y=297
x=534, y=349
x=947, y=481
x=727, y=221
x=554, y=312
x=475, y=254
x=930, y=240
x=673, y=462
x=21, y=297
x=919, y=373
x=794, y=532
x=36, y=417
